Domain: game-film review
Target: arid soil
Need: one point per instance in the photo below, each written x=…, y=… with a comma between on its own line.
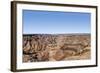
x=56, y=47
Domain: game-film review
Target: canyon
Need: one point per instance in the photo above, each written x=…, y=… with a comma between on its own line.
x=56, y=47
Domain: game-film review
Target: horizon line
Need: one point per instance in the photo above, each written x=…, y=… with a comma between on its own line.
x=53, y=33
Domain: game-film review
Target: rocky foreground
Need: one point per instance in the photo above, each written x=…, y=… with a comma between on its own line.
x=56, y=47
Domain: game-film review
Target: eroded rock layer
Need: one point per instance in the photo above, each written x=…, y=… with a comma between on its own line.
x=56, y=47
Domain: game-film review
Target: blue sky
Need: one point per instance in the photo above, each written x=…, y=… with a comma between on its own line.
x=51, y=22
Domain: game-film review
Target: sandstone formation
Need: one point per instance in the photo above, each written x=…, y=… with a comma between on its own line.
x=56, y=47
